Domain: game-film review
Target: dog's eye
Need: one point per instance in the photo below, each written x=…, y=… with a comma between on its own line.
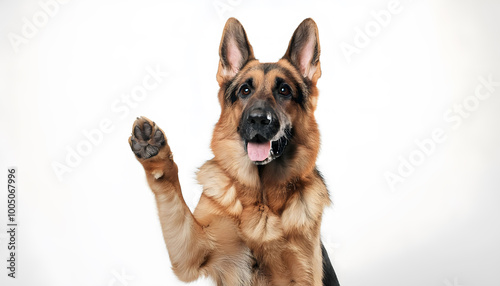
x=245, y=90
x=284, y=90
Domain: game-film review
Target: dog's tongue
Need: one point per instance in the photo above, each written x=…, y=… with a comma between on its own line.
x=258, y=151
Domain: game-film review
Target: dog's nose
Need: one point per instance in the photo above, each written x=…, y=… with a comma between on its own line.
x=259, y=117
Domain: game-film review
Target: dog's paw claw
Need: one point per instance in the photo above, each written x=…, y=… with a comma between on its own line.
x=146, y=139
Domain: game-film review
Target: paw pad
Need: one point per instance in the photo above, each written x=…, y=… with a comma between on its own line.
x=146, y=139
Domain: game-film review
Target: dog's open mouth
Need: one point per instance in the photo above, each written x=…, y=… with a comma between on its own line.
x=261, y=151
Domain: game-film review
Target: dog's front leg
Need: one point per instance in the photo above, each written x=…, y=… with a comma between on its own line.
x=187, y=243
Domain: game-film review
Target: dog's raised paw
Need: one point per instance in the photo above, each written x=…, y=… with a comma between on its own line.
x=147, y=138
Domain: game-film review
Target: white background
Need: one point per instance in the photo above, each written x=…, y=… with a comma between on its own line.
x=440, y=226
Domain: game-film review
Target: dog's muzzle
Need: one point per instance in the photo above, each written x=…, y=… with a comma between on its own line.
x=260, y=129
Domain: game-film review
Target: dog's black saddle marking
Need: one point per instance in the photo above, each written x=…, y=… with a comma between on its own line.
x=329, y=276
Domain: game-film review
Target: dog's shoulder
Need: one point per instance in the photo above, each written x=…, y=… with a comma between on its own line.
x=305, y=206
x=212, y=178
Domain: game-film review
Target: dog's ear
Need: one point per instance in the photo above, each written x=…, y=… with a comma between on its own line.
x=303, y=50
x=234, y=50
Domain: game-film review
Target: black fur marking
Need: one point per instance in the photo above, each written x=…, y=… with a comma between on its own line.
x=249, y=83
x=205, y=261
x=230, y=92
x=320, y=175
x=266, y=67
x=277, y=83
x=231, y=87
x=329, y=276
x=298, y=87
x=297, y=94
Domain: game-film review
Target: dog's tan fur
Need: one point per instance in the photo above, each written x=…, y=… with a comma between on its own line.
x=252, y=226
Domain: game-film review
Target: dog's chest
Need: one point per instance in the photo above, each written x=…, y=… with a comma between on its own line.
x=258, y=224
x=282, y=244
x=262, y=222
x=280, y=236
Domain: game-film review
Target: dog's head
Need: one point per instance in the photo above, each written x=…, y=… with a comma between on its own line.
x=267, y=109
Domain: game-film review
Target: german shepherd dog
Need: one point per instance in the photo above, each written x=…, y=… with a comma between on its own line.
x=259, y=216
